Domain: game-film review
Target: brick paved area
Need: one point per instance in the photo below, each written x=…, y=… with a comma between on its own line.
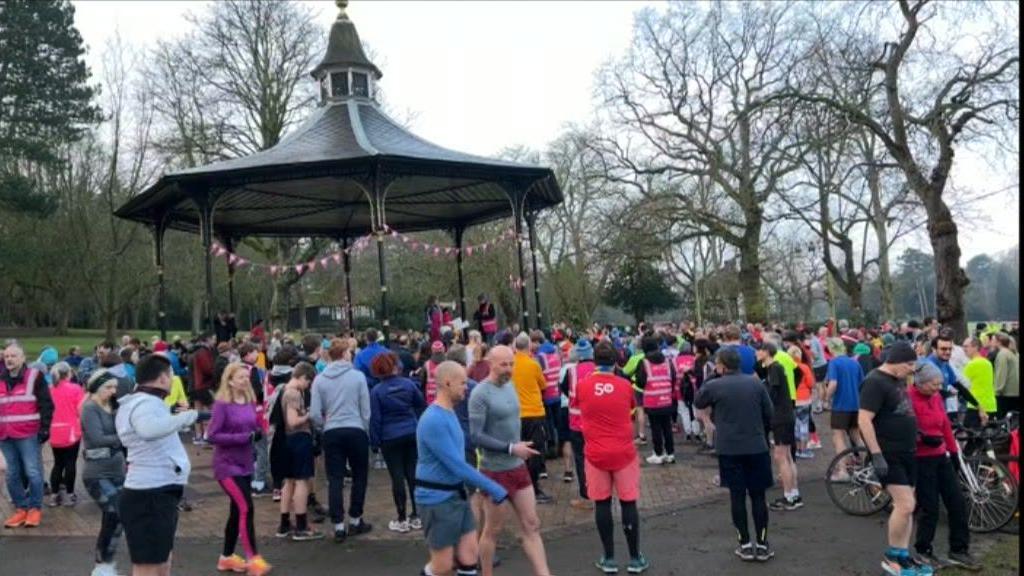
x=662, y=487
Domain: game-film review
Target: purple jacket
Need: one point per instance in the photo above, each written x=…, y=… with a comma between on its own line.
x=230, y=432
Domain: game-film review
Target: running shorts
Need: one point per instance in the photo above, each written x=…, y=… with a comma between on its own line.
x=844, y=420
x=902, y=469
x=300, y=456
x=150, y=519
x=784, y=433
x=512, y=480
x=625, y=481
x=444, y=524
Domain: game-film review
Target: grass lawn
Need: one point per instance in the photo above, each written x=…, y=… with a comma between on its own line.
x=35, y=342
x=1000, y=559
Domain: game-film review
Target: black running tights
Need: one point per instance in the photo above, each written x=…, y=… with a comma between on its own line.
x=759, y=509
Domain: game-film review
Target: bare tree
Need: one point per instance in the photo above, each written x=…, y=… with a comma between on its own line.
x=940, y=89
x=691, y=105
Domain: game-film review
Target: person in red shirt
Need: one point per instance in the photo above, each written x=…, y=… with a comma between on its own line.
x=936, y=473
x=202, y=383
x=606, y=403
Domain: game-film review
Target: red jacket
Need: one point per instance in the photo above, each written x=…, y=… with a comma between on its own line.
x=202, y=368
x=932, y=421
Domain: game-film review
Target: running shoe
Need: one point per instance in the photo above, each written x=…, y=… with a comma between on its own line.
x=655, y=459
x=746, y=552
x=930, y=559
x=339, y=535
x=71, y=500
x=778, y=504
x=804, y=455
x=923, y=569
x=568, y=477
x=33, y=518
x=581, y=504
x=638, y=565
x=55, y=499
x=415, y=523
x=400, y=526
x=307, y=535
x=898, y=566
x=362, y=528
x=670, y=458
x=641, y=440
x=763, y=552
x=964, y=560
x=283, y=531
x=17, y=519
x=794, y=503
x=814, y=445
x=233, y=563
x=543, y=475
x=257, y=566
x=105, y=569
x=607, y=566
x=543, y=498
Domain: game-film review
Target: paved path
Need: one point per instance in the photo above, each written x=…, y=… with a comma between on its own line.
x=692, y=539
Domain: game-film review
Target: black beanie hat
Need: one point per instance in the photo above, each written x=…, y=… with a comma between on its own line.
x=899, y=352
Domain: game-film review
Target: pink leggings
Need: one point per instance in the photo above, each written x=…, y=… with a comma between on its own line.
x=240, y=520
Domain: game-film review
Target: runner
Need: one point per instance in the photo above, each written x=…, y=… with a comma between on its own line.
x=158, y=468
x=529, y=382
x=606, y=402
x=889, y=428
x=395, y=404
x=233, y=431
x=844, y=376
x=65, y=434
x=742, y=412
x=570, y=384
x=980, y=375
x=298, y=455
x=427, y=378
x=441, y=473
x=783, y=426
x=340, y=407
x=103, y=473
x=495, y=427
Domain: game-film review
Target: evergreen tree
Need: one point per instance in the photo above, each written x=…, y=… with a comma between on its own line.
x=640, y=289
x=45, y=98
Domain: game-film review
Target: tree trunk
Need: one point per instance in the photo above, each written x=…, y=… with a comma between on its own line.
x=750, y=274
x=950, y=279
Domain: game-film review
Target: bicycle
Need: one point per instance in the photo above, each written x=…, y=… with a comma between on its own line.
x=852, y=484
x=990, y=491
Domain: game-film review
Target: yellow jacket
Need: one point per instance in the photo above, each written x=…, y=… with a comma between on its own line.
x=529, y=381
x=177, y=393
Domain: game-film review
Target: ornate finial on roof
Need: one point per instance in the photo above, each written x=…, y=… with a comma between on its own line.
x=341, y=4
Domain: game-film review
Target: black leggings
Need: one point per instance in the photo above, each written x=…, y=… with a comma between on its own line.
x=577, y=456
x=811, y=428
x=240, y=519
x=661, y=433
x=400, y=456
x=606, y=526
x=65, y=468
x=758, y=507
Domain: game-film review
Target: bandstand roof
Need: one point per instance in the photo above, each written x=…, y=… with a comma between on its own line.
x=315, y=181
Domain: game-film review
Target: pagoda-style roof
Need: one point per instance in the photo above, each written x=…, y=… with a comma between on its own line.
x=317, y=181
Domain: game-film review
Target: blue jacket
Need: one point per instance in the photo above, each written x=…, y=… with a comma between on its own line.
x=395, y=405
x=365, y=357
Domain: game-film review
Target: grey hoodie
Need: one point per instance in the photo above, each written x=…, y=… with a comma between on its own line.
x=149, y=432
x=340, y=398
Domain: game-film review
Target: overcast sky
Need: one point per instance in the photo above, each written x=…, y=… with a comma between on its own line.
x=480, y=76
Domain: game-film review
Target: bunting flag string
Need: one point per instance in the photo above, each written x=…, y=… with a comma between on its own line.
x=335, y=258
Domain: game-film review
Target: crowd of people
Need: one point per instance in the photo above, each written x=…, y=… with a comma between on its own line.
x=467, y=421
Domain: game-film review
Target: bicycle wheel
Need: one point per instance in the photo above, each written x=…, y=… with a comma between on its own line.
x=851, y=483
x=992, y=504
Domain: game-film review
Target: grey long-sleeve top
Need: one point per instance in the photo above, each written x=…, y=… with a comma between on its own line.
x=98, y=433
x=494, y=424
x=736, y=401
